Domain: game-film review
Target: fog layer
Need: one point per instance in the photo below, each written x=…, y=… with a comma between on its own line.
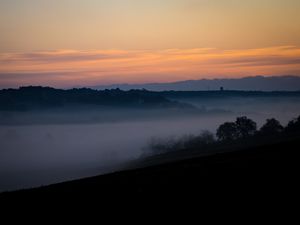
x=50, y=150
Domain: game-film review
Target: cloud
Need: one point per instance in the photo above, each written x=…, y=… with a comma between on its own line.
x=71, y=67
x=62, y=56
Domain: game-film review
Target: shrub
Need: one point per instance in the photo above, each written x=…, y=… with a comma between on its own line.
x=159, y=145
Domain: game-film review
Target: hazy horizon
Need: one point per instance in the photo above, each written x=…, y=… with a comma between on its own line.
x=149, y=85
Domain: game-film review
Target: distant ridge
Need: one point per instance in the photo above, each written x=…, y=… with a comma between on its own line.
x=257, y=83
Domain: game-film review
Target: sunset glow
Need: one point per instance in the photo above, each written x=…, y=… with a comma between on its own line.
x=76, y=43
x=72, y=68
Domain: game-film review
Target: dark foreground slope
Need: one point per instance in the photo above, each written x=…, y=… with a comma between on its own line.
x=267, y=170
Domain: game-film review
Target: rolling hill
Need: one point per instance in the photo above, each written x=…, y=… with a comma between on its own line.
x=257, y=83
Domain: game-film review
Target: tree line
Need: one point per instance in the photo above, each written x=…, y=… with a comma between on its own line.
x=243, y=128
x=27, y=98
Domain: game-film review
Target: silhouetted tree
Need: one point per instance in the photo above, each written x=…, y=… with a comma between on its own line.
x=242, y=128
x=293, y=125
x=245, y=127
x=236, y=131
x=227, y=132
x=271, y=127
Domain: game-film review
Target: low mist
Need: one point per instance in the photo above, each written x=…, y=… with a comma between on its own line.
x=50, y=147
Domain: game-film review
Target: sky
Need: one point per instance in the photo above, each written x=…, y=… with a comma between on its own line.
x=65, y=43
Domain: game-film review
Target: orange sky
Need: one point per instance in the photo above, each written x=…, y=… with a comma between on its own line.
x=71, y=68
x=74, y=42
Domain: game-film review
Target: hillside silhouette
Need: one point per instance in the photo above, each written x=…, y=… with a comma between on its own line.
x=36, y=97
x=257, y=83
x=26, y=98
x=252, y=164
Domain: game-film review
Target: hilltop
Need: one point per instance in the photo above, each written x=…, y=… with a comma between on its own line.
x=257, y=83
x=36, y=97
x=27, y=98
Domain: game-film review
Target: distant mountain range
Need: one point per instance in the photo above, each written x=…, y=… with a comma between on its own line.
x=257, y=83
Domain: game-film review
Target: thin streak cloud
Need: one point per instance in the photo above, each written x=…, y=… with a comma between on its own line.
x=70, y=67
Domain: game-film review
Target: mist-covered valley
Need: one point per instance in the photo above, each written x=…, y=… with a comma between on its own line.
x=50, y=145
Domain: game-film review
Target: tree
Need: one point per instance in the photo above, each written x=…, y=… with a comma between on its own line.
x=294, y=125
x=271, y=127
x=242, y=128
x=245, y=127
x=227, y=132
